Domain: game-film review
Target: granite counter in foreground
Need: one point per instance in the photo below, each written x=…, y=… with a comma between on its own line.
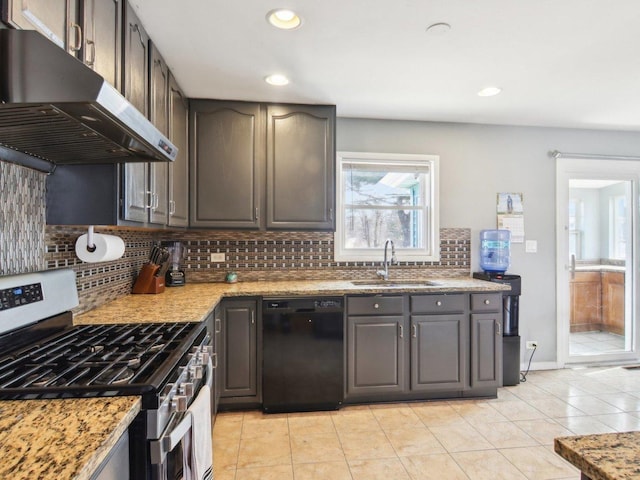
x=607, y=456
x=64, y=439
x=194, y=301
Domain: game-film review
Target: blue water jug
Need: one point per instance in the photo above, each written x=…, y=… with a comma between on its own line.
x=495, y=250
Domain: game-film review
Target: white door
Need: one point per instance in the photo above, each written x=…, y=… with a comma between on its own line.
x=597, y=222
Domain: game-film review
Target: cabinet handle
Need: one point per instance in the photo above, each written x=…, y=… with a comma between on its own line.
x=149, y=200
x=253, y=318
x=215, y=360
x=155, y=197
x=487, y=302
x=91, y=59
x=256, y=215
x=499, y=328
x=376, y=306
x=77, y=37
x=218, y=328
x=439, y=303
x=331, y=214
x=172, y=207
x=414, y=331
x=401, y=331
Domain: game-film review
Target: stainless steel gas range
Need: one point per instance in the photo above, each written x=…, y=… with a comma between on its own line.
x=43, y=355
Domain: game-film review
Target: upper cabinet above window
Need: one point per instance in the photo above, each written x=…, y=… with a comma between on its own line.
x=387, y=196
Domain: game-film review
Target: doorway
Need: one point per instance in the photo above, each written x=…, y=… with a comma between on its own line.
x=596, y=223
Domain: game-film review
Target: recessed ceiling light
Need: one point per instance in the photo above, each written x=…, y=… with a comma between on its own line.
x=438, y=29
x=276, y=79
x=284, y=19
x=489, y=91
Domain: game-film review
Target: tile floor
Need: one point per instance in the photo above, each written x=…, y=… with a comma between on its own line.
x=593, y=343
x=509, y=438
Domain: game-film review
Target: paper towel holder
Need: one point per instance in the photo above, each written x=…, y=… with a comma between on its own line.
x=91, y=245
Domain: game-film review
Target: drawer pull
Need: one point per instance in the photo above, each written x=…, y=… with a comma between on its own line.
x=487, y=302
x=439, y=303
x=401, y=331
x=375, y=305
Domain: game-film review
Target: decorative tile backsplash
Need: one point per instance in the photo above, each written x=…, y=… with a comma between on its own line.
x=26, y=244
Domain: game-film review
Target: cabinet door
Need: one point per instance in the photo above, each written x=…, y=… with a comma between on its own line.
x=102, y=28
x=486, y=349
x=613, y=302
x=375, y=355
x=438, y=345
x=585, y=291
x=53, y=18
x=227, y=154
x=179, y=169
x=300, y=167
x=239, y=348
x=136, y=191
x=159, y=171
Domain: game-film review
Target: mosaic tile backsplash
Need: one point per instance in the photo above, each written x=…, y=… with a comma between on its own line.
x=27, y=245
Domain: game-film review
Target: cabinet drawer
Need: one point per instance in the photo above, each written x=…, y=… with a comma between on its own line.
x=486, y=302
x=438, y=303
x=375, y=305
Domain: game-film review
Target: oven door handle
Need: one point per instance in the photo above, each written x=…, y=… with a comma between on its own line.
x=166, y=443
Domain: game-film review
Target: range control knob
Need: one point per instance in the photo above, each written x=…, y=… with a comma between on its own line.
x=179, y=403
x=196, y=372
x=186, y=389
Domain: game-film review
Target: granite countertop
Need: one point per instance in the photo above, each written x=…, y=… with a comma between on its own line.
x=194, y=301
x=61, y=439
x=607, y=456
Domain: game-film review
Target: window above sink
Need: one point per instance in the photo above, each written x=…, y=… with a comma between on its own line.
x=384, y=196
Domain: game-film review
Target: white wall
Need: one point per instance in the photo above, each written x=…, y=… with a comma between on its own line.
x=476, y=163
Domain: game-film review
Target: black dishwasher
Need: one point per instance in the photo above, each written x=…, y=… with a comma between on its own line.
x=302, y=354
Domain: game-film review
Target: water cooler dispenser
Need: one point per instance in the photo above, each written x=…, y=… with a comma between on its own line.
x=494, y=260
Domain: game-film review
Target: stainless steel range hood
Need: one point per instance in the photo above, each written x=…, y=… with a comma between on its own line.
x=55, y=108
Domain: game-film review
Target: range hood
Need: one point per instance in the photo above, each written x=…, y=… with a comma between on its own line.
x=54, y=110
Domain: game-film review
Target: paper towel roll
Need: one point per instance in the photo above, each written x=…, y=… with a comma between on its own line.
x=108, y=247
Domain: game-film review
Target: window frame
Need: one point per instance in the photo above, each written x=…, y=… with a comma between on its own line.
x=430, y=219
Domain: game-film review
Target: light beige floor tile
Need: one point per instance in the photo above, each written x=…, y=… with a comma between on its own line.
x=562, y=390
x=256, y=424
x=264, y=451
x=394, y=418
x=528, y=391
x=591, y=386
x=310, y=424
x=366, y=445
x=225, y=474
x=623, y=401
x=539, y=463
x=225, y=452
x=584, y=425
x=591, y=405
x=543, y=430
x=322, y=471
x=489, y=465
x=433, y=467
x=356, y=421
x=228, y=425
x=503, y=395
x=414, y=441
x=438, y=414
x=460, y=438
x=476, y=412
x=316, y=447
x=505, y=434
x=622, y=422
x=554, y=407
x=280, y=472
x=519, y=410
x=384, y=469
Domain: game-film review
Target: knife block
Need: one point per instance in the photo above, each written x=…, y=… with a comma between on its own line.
x=147, y=282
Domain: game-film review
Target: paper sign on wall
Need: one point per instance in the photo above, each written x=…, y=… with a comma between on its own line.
x=511, y=215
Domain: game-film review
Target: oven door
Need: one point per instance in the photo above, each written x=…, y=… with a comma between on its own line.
x=171, y=454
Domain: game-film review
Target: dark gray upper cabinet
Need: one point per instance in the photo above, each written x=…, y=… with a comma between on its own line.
x=55, y=19
x=239, y=349
x=179, y=169
x=227, y=157
x=159, y=114
x=137, y=200
x=262, y=166
x=101, y=22
x=301, y=167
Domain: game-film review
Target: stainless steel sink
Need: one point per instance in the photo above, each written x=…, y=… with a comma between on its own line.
x=396, y=283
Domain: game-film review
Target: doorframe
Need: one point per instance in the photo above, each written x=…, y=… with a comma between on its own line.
x=624, y=170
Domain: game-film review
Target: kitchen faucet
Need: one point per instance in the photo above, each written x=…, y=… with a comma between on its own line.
x=384, y=274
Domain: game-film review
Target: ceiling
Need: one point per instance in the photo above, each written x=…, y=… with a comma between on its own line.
x=563, y=63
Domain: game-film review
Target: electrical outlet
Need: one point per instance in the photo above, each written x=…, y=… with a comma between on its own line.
x=532, y=344
x=218, y=257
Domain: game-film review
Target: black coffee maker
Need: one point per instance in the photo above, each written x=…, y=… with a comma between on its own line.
x=175, y=275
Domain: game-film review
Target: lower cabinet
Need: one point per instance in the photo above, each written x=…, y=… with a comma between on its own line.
x=486, y=340
x=239, y=359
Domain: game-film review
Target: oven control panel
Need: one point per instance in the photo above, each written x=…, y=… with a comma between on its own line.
x=18, y=296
